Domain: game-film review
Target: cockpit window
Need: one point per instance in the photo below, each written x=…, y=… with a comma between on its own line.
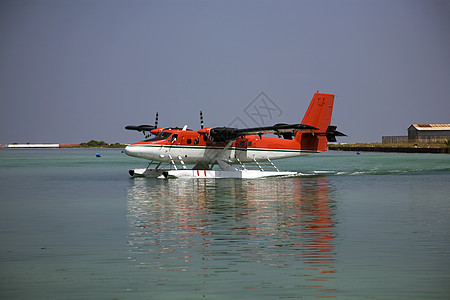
x=161, y=136
x=173, y=139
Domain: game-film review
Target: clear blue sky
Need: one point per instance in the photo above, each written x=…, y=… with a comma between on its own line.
x=71, y=71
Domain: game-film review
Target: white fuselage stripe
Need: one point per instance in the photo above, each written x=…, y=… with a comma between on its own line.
x=201, y=154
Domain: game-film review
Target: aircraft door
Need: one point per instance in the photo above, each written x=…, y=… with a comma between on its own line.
x=241, y=148
x=173, y=140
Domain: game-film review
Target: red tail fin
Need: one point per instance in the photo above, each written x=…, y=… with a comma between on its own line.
x=318, y=115
x=319, y=111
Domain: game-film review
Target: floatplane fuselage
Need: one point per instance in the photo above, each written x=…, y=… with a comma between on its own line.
x=225, y=146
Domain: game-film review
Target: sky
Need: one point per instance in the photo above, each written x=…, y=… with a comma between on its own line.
x=76, y=70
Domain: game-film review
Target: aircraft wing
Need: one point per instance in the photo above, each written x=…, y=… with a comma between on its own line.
x=225, y=134
x=140, y=127
x=276, y=129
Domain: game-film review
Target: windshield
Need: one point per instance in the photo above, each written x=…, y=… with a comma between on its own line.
x=161, y=136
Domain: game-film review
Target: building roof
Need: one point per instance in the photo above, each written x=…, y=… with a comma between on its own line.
x=431, y=126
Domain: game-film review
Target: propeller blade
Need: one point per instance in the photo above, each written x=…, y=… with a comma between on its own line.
x=201, y=119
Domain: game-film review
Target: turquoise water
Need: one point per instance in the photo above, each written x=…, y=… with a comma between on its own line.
x=74, y=226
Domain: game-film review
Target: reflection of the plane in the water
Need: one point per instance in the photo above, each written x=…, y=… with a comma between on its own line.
x=221, y=224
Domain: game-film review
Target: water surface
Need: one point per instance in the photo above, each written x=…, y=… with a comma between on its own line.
x=74, y=226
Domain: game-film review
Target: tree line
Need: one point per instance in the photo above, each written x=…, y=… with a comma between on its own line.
x=99, y=144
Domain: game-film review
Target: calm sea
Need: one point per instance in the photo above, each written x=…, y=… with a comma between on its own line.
x=74, y=226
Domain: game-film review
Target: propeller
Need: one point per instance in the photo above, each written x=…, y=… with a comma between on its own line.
x=201, y=119
x=144, y=128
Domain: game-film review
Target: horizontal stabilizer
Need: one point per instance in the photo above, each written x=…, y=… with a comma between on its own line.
x=332, y=133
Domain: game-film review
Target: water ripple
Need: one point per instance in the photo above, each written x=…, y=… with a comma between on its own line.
x=208, y=228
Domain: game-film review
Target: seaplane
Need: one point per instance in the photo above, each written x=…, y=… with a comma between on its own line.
x=227, y=152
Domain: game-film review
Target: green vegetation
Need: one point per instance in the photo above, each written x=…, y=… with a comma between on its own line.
x=116, y=145
x=101, y=144
x=94, y=144
x=447, y=142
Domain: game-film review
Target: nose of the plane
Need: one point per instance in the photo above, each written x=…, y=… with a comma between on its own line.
x=131, y=151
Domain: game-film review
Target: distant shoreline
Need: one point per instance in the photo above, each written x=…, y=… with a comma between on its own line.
x=90, y=144
x=402, y=148
x=365, y=147
x=60, y=146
